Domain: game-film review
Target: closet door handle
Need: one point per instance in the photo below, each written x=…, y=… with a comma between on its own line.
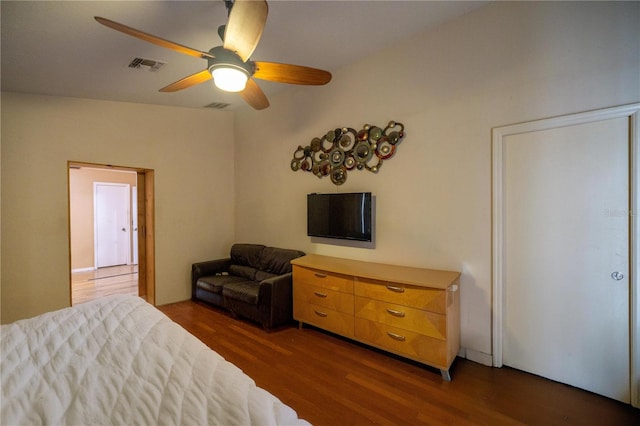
x=320, y=275
x=395, y=289
x=396, y=336
x=320, y=314
x=395, y=313
x=317, y=293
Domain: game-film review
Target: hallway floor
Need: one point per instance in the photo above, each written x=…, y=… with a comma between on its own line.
x=90, y=285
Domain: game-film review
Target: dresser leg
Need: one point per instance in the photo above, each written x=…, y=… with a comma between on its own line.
x=446, y=375
x=300, y=325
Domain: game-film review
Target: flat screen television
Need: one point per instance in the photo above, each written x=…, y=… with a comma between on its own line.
x=345, y=216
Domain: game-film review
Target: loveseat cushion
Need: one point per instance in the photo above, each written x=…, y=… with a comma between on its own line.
x=215, y=283
x=277, y=261
x=243, y=271
x=245, y=291
x=247, y=254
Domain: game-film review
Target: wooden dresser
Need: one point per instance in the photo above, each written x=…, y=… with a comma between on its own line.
x=411, y=312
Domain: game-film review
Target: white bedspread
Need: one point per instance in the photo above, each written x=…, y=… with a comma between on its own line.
x=120, y=361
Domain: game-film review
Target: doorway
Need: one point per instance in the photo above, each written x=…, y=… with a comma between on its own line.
x=111, y=231
x=565, y=277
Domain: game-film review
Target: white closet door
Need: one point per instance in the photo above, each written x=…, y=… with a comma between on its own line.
x=566, y=269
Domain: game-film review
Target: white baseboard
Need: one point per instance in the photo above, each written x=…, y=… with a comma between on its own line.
x=89, y=269
x=479, y=357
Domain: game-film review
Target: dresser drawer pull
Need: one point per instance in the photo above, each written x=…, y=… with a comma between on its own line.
x=320, y=314
x=396, y=336
x=395, y=289
x=395, y=313
x=317, y=293
x=320, y=275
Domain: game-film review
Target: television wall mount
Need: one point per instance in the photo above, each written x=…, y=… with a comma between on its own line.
x=342, y=150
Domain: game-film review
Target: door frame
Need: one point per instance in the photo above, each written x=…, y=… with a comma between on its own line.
x=134, y=223
x=96, y=245
x=632, y=113
x=146, y=227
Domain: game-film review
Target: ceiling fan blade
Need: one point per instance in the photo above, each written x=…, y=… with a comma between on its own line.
x=292, y=74
x=245, y=26
x=254, y=96
x=192, y=80
x=153, y=39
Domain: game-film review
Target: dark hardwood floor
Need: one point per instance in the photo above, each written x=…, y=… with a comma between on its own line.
x=332, y=381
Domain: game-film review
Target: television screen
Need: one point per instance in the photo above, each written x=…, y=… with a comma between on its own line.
x=345, y=216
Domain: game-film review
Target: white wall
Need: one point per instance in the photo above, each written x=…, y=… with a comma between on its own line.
x=189, y=149
x=501, y=64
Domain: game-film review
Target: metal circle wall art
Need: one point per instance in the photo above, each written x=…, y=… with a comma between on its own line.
x=342, y=150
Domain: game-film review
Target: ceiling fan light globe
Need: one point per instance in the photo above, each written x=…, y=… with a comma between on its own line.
x=229, y=79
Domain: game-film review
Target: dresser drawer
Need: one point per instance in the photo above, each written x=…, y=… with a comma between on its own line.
x=430, y=299
x=328, y=319
x=337, y=282
x=305, y=293
x=412, y=345
x=411, y=319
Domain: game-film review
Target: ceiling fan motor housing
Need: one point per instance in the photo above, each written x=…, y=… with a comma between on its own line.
x=225, y=58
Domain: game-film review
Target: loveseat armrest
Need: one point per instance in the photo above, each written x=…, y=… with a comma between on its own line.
x=277, y=292
x=205, y=269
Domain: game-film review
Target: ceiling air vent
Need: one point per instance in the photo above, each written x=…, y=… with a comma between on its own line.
x=217, y=105
x=151, y=63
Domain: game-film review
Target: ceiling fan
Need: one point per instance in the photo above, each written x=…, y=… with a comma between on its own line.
x=229, y=65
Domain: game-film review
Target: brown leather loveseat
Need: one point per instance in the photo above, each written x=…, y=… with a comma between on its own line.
x=254, y=282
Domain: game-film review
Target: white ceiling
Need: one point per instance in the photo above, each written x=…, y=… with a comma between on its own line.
x=57, y=48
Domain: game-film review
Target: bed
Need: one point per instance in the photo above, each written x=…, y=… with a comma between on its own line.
x=120, y=361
